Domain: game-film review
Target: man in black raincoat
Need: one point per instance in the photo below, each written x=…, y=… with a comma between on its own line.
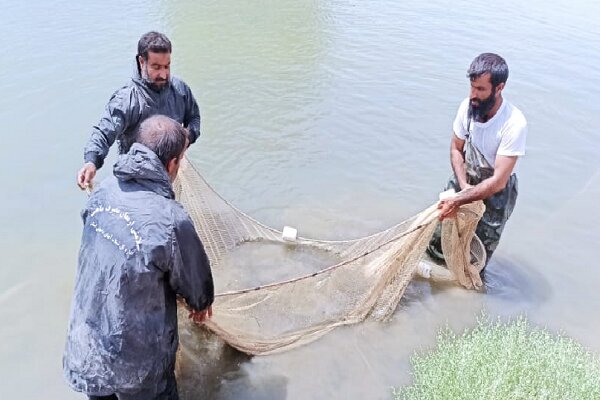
x=152, y=90
x=489, y=136
x=139, y=251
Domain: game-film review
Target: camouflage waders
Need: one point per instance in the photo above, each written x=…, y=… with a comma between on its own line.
x=498, y=207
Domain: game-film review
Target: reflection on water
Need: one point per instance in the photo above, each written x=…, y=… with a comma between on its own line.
x=331, y=116
x=203, y=360
x=515, y=282
x=207, y=368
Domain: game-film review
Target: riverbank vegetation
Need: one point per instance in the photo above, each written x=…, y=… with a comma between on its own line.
x=504, y=361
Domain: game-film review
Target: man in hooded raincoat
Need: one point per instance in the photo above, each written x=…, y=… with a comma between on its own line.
x=139, y=251
x=489, y=137
x=152, y=90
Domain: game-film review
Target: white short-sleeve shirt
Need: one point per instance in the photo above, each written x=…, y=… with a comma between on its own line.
x=504, y=134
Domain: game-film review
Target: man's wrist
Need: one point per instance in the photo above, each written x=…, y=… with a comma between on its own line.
x=193, y=135
x=92, y=158
x=466, y=196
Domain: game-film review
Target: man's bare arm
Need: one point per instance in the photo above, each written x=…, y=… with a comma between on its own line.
x=457, y=159
x=502, y=171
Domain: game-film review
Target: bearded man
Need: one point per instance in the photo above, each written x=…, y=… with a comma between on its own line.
x=152, y=90
x=489, y=137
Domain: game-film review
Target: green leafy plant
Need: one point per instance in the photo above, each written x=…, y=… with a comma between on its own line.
x=504, y=361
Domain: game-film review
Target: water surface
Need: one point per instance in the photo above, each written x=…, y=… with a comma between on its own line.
x=330, y=116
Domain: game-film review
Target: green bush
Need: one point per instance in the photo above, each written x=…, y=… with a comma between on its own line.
x=504, y=361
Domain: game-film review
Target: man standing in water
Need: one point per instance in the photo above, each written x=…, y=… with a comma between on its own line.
x=489, y=136
x=139, y=251
x=152, y=90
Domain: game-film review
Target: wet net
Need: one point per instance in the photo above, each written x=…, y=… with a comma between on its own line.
x=273, y=294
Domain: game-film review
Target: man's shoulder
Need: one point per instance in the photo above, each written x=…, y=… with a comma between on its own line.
x=464, y=104
x=124, y=93
x=179, y=85
x=514, y=115
x=104, y=188
x=166, y=207
x=180, y=215
x=125, y=196
x=463, y=109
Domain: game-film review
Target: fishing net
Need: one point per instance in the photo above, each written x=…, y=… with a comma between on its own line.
x=273, y=294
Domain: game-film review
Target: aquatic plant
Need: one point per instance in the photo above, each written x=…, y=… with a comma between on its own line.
x=503, y=360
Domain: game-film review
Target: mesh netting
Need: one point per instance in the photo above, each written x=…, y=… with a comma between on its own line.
x=273, y=295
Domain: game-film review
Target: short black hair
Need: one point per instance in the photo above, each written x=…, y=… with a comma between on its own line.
x=155, y=42
x=489, y=63
x=164, y=136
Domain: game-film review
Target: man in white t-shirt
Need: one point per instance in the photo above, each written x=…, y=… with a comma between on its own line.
x=489, y=136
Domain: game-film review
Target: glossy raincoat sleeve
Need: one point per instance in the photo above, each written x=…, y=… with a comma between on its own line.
x=190, y=275
x=192, y=115
x=116, y=118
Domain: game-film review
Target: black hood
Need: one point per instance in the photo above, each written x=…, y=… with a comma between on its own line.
x=141, y=165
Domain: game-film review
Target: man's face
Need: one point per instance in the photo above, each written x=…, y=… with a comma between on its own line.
x=157, y=69
x=482, y=97
x=173, y=165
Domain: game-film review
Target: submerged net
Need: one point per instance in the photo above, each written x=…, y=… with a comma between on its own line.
x=273, y=295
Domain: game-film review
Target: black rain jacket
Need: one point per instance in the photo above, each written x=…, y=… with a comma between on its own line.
x=139, y=250
x=132, y=104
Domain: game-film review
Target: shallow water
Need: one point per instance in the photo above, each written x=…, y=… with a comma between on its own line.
x=330, y=116
x=263, y=262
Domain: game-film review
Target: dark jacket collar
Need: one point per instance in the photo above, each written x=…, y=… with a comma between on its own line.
x=142, y=166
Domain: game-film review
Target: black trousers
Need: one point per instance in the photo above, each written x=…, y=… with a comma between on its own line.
x=111, y=397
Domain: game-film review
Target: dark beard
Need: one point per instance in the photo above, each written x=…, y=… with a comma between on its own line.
x=479, y=112
x=156, y=87
x=153, y=85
